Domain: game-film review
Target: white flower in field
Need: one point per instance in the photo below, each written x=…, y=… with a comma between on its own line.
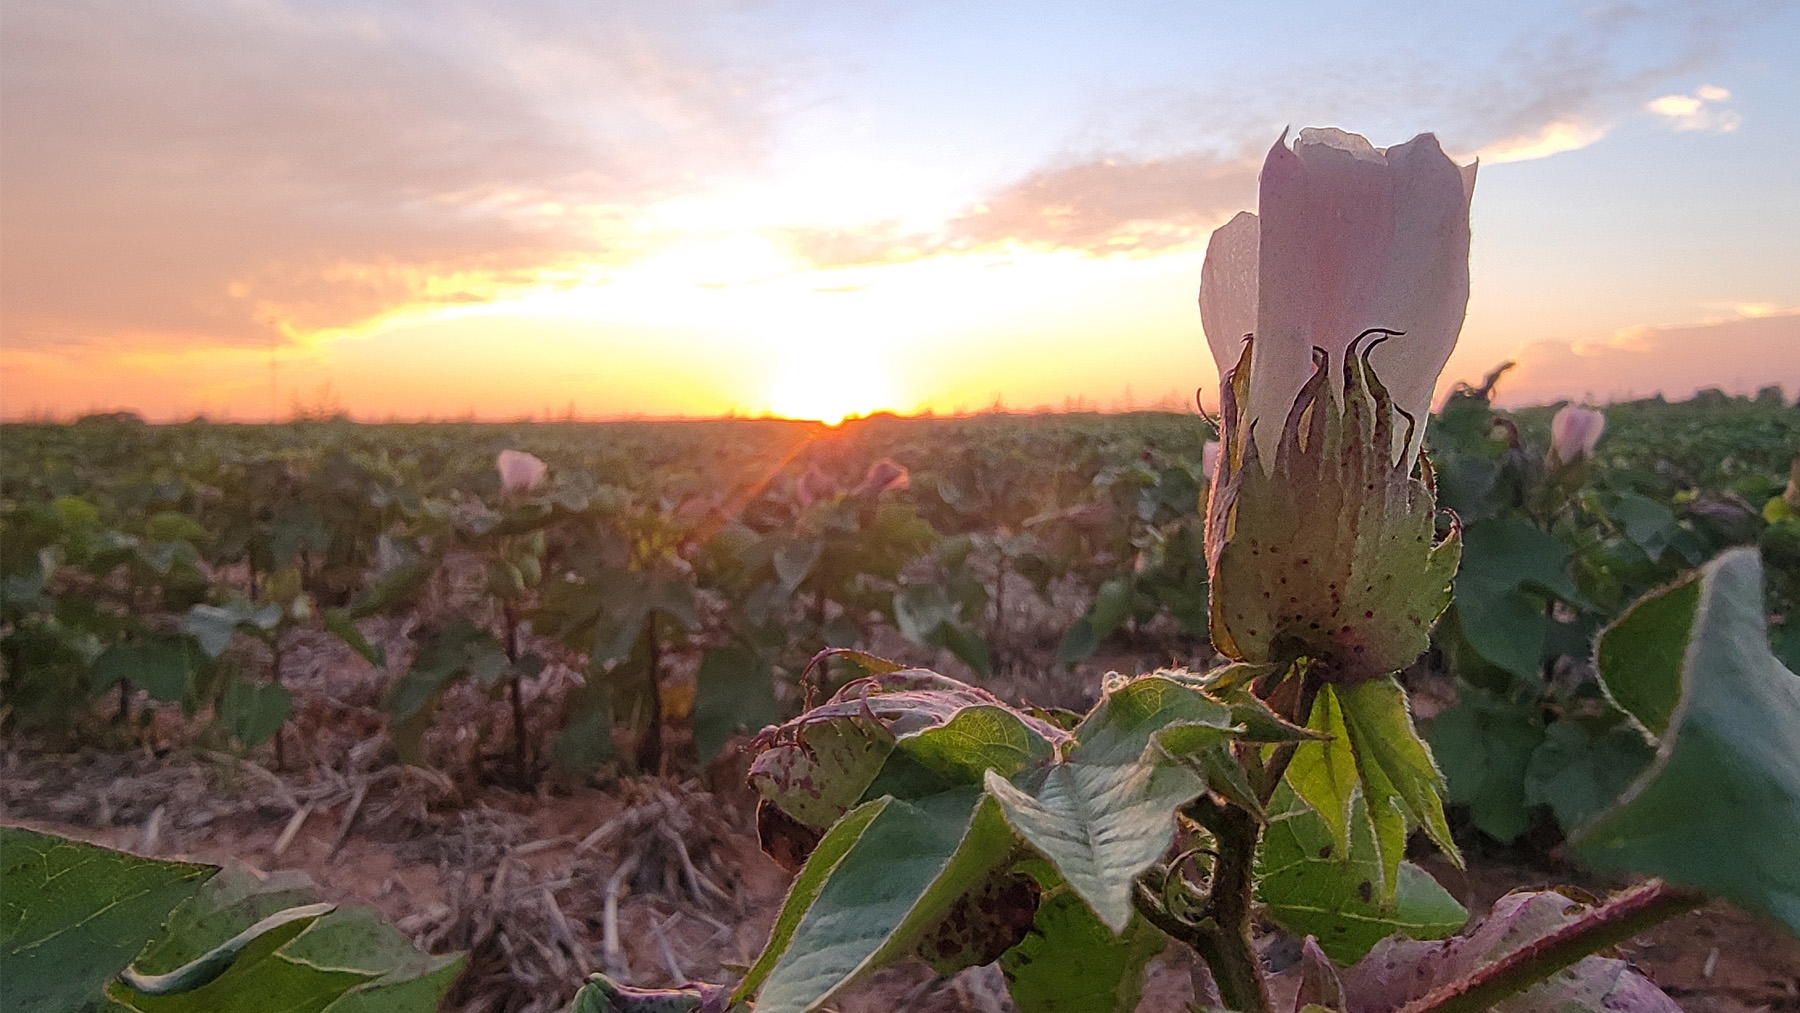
x=1209, y=459
x=1574, y=432
x=520, y=472
x=1350, y=237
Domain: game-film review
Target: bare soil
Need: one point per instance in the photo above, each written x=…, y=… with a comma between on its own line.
x=655, y=880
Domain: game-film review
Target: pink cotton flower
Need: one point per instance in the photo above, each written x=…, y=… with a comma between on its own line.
x=520, y=472
x=1350, y=237
x=814, y=486
x=883, y=476
x=1574, y=433
x=1209, y=459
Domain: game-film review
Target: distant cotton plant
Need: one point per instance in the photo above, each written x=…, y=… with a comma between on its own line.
x=1209, y=458
x=1574, y=433
x=520, y=472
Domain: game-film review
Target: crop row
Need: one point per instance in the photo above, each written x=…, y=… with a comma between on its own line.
x=145, y=562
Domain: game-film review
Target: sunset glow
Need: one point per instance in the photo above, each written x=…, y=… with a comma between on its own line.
x=823, y=215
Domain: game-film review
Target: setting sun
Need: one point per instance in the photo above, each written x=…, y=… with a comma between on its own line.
x=829, y=383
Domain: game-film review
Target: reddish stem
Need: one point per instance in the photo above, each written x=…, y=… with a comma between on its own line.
x=1615, y=921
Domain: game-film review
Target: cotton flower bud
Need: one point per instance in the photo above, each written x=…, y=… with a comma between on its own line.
x=1574, y=432
x=520, y=472
x=1331, y=316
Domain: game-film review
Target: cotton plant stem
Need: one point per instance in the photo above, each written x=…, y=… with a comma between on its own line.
x=1222, y=937
x=521, y=763
x=1637, y=909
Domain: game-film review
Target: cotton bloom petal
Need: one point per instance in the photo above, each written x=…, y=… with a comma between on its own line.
x=519, y=471
x=1209, y=458
x=1228, y=288
x=1349, y=237
x=814, y=486
x=883, y=476
x=1575, y=432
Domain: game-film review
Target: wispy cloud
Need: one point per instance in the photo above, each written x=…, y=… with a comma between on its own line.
x=1115, y=204
x=1740, y=355
x=1103, y=205
x=203, y=172
x=1703, y=110
x=1552, y=139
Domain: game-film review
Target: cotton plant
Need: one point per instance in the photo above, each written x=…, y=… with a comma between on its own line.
x=508, y=538
x=925, y=818
x=1574, y=433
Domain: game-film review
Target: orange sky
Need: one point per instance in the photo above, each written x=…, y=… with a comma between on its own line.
x=512, y=210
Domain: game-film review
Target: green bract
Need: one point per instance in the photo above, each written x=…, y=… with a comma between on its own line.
x=1329, y=551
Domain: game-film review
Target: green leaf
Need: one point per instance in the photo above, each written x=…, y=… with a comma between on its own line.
x=356, y=939
x=906, y=867
x=920, y=611
x=821, y=774
x=1073, y=963
x=1313, y=887
x=1112, y=605
x=1079, y=642
x=794, y=561
x=1507, y=628
x=1323, y=771
x=1506, y=565
x=231, y=901
x=968, y=647
x=72, y=915
x=1485, y=746
x=1396, y=768
x=1106, y=813
x=603, y=995
x=206, y=968
x=253, y=711
x=214, y=625
x=1639, y=657
x=260, y=972
x=460, y=650
x=1646, y=522
x=734, y=692
x=395, y=977
x=1504, y=554
x=824, y=762
x=1719, y=807
x=1578, y=775
x=398, y=588
x=162, y=665
x=341, y=624
x=976, y=740
x=586, y=742
x=805, y=889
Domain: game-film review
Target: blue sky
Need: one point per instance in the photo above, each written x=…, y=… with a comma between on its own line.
x=708, y=206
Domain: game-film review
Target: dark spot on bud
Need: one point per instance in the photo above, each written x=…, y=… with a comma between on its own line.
x=1325, y=852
